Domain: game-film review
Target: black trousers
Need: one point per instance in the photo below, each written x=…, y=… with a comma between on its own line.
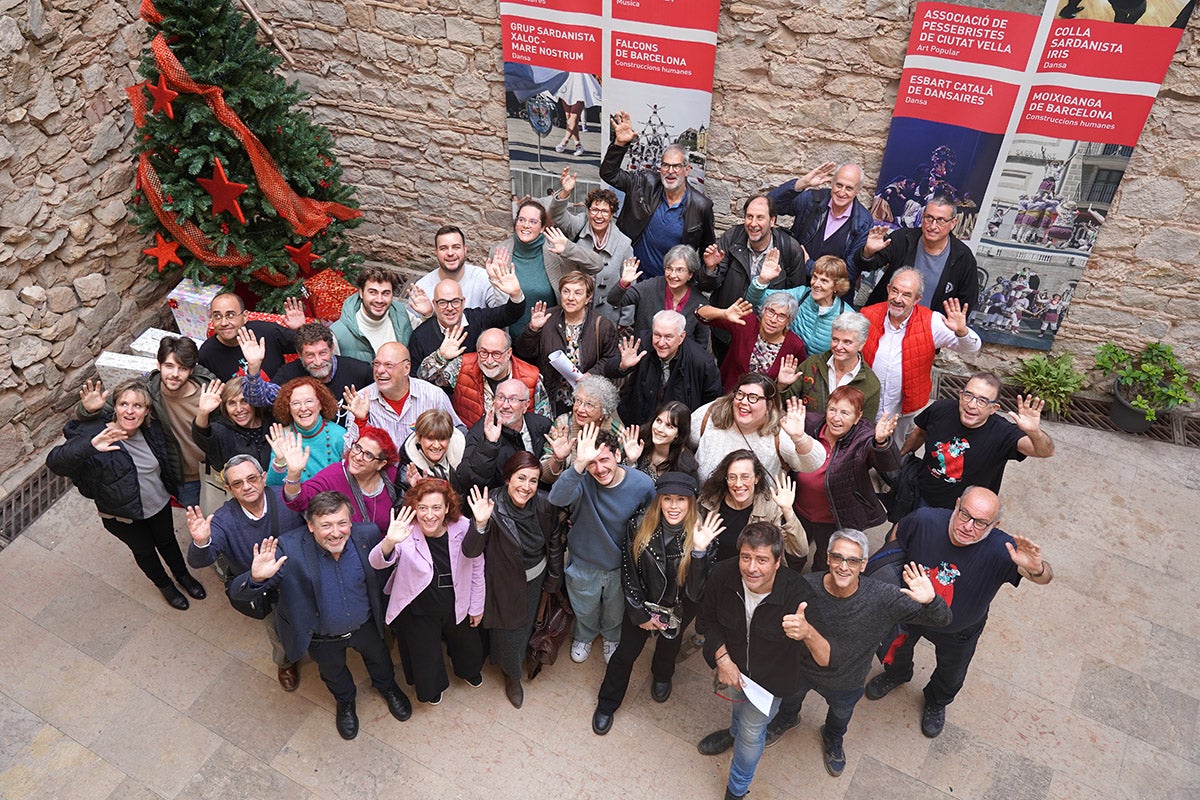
x=954, y=653
x=818, y=534
x=148, y=539
x=331, y=661
x=509, y=645
x=620, y=666
x=423, y=634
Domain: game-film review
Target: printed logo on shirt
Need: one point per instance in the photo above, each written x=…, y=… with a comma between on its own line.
x=949, y=456
x=943, y=579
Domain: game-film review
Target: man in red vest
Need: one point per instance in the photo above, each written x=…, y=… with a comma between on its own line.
x=472, y=378
x=903, y=340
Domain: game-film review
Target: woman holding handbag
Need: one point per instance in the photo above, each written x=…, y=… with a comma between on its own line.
x=663, y=570
x=520, y=534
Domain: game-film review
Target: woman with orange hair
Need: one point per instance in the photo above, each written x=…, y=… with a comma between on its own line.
x=305, y=411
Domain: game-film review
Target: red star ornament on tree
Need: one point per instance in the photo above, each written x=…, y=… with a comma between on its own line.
x=164, y=251
x=303, y=256
x=163, y=95
x=224, y=192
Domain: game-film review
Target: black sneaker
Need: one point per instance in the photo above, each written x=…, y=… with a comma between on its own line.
x=475, y=682
x=778, y=727
x=881, y=684
x=715, y=743
x=835, y=757
x=933, y=719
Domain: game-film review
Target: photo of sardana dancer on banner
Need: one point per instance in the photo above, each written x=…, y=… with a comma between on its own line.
x=552, y=93
x=1028, y=127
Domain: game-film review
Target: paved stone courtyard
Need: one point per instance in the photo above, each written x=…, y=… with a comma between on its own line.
x=1087, y=688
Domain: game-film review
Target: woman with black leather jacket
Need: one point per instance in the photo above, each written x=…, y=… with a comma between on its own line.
x=663, y=571
x=122, y=464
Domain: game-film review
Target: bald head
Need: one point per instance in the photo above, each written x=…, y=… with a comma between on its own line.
x=511, y=402
x=448, y=302
x=391, y=367
x=846, y=183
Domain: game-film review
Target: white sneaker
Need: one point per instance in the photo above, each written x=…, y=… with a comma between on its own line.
x=579, y=150
x=609, y=649
x=581, y=650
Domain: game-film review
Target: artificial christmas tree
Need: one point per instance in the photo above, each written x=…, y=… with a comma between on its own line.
x=228, y=168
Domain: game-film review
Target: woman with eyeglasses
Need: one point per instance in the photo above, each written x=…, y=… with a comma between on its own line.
x=752, y=417
x=541, y=256
x=595, y=403
x=367, y=476
x=818, y=304
x=741, y=492
x=840, y=494
x=571, y=337
x=305, y=409
x=758, y=343
x=674, y=290
x=433, y=450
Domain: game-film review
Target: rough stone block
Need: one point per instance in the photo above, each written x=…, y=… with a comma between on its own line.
x=1170, y=244
x=90, y=287
x=20, y=211
x=110, y=213
x=26, y=350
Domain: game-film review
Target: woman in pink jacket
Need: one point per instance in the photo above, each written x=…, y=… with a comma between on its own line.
x=435, y=592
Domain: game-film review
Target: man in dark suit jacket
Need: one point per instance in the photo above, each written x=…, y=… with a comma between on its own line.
x=495, y=438
x=450, y=317
x=671, y=367
x=330, y=599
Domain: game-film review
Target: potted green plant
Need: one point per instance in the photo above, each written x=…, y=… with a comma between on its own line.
x=1055, y=380
x=1145, y=383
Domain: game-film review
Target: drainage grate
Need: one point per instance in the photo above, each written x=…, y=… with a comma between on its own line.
x=29, y=501
x=1087, y=412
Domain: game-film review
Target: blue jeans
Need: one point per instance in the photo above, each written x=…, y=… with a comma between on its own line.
x=749, y=730
x=597, y=600
x=841, y=708
x=189, y=494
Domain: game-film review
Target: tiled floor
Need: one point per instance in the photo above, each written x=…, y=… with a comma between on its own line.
x=1087, y=688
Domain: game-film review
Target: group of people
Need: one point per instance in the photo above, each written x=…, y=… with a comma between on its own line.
x=686, y=434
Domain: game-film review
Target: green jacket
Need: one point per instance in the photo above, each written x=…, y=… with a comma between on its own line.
x=813, y=385
x=350, y=339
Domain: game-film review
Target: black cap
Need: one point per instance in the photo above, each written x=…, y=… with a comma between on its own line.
x=676, y=483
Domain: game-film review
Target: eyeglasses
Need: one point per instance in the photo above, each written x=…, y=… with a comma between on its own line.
x=735, y=480
x=937, y=220
x=976, y=523
x=388, y=366
x=665, y=167
x=244, y=482
x=505, y=399
x=492, y=355
x=837, y=560
x=452, y=302
x=600, y=211
x=586, y=405
x=217, y=316
x=302, y=403
x=746, y=397
x=357, y=450
x=975, y=400
x=774, y=313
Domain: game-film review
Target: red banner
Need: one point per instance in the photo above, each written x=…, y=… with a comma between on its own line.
x=575, y=48
x=1104, y=50
x=996, y=38
x=1104, y=117
x=663, y=62
x=698, y=14
x=947, y=97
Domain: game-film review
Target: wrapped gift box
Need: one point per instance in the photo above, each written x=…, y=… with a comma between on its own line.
x=147, y=343
x=189, y=302
x=327, y=290
x=116, y=368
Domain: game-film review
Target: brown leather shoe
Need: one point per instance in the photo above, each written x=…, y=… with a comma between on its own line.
x=514, y=691
x=289, y=677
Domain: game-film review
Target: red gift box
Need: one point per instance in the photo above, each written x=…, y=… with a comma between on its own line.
x=327, y=291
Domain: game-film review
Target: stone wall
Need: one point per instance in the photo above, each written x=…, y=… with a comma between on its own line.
x=70, y=273
x=413, y=93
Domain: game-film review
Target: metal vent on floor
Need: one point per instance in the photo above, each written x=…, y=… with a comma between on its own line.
x=1086, y=412
x=29, y=501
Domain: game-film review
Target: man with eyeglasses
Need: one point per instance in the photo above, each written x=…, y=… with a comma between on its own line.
x=827, y=222
x=856, y=613
x=594, y=229
x=663, y=364
x=968, y=559
x=226, y=538
x=221, y=353
x=660, y=209
x=472, y=379
x=945, y=263
x=395, y=400
x=454, y=325
x=505, y=429
x=967, y=444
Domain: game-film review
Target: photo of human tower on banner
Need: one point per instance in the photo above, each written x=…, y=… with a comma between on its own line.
x=1026, y=116
x=569, y=65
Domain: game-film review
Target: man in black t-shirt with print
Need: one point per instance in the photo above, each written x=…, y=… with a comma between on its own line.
x=966, y=444
x=968, y=559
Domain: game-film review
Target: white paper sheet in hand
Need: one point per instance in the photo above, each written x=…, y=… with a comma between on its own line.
x=760, y=697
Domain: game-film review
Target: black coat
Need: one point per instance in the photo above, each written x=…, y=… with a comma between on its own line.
x=694, y=381
x=729, y=280
x=110, y=478
x=503, y=567
x=222, y=440
x=960, y=278
x=428, y=336
x=643, y=194
x=483, y=460
x=652, y=577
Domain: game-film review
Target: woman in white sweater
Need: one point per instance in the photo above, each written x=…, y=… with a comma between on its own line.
x=752, y=417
